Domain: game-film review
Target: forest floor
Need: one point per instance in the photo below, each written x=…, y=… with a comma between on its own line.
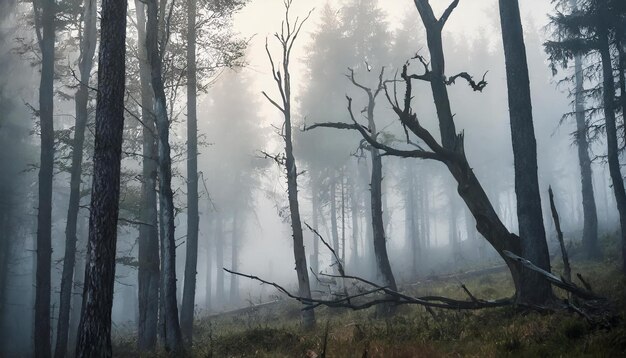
x=414, y=332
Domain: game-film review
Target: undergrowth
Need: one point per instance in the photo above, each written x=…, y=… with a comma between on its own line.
x=415, y=332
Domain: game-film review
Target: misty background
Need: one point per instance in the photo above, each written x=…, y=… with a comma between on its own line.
x=243, y=202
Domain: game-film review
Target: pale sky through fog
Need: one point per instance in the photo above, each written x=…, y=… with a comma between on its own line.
x=261, y=18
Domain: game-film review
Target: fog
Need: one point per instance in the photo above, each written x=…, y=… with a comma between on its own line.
x=244, y=221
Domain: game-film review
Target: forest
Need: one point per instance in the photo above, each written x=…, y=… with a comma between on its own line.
x=326, y=178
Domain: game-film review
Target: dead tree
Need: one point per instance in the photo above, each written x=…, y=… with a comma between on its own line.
x=287, y=38
x=450, y=151
x=378, y=226
x=94, y=333
x=567, y=271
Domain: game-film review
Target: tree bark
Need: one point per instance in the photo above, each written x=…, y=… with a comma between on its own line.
x=94, y=333
x=173, y=336
x=87, y=51
x=191, y=261
x=529, y=211
x=609, y=117
x=44, y=215
x=149, y=255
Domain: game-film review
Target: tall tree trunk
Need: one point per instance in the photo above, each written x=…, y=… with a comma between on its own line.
x=354, y=212
x=315, y=266
x=590, y=217
x=283, y=82
x=79, y=281
x=611, y=130
x=529, y=211
x=234, y=279
x=87, y=51
x=44, y=215
x=333, y=216
x=191, y=261
x=376, y=195
x=94, y=333
x=219, y=260
x=411, y=237
x=149, y=255
x=209, y=277
x=173, y=337
x=453, y=232
x=343, y=219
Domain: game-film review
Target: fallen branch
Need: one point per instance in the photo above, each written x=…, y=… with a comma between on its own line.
x=567, y=286
x=390, y=296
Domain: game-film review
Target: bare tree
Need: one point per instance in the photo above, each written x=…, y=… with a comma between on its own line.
x=87, y=51
x=94, y=333
x=378, y=226
x=287, y=38
x=155, y=47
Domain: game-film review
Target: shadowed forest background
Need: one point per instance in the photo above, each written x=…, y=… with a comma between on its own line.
x=233, y=178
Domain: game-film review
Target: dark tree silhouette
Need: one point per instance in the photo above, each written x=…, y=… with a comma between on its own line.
x=94, y=333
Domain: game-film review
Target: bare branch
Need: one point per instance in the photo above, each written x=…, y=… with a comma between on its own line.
x=476, y=86
x=446, y=14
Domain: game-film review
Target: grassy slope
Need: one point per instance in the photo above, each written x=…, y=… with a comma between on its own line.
x=413, y=332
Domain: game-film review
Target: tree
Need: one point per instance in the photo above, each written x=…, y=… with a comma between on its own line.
x=593, y=29
x=155, y=47
x=45, y=29
x=286, y=38
x=87, y=50
x=191, y=261
x=95, y=324
x=380, y=241
x=531, y=230
x=148, y=256
x=608, y=98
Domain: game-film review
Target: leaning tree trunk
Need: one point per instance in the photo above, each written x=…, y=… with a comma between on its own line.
x=611, y=130
x=173, y=337
x=87, y=51
x=94, y=333
x=44, y=215
x=590, y=216
x=529, y=212
x=191, y=260
x=149, y=255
